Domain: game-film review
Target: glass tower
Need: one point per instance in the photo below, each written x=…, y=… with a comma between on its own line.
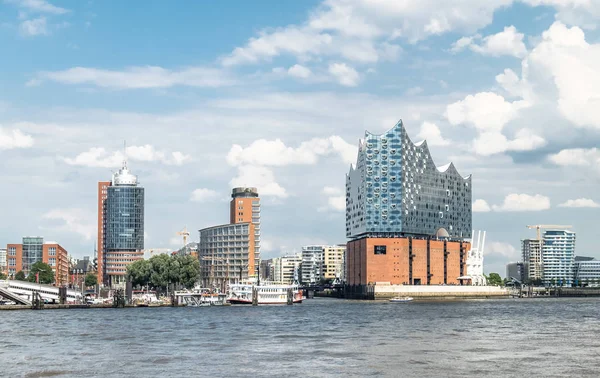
x=397, y=190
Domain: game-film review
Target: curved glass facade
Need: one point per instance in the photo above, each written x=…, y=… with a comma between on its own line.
x=396, y=189
x=125, y=218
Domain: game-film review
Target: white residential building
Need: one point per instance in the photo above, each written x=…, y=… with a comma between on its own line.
x=558, y=256
x=286, y=269
x=3, y=261
x=312, y=264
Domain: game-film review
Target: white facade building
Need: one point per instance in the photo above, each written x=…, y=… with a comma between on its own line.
x=286, y=269
x=587, y=272
x=3, y=261
x=558, y=256
x=312, y=264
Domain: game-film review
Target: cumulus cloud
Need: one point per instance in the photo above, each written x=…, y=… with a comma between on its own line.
x=275, y=153
x=344, y=74
x=139, y=77
x=260, y=177
x=72, y=220
x=299, y=71
x=36, y=26
x=523, y=202
x=580, y=202
x=502, y=249
x=507, y=42
x=583, y=157
x=481, y=206
x=203, y=195
x=432, y=134
x=14, y=139
x=100, y=157
x=336, y=199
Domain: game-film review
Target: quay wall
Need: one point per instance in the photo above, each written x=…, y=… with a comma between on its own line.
x=386, y=291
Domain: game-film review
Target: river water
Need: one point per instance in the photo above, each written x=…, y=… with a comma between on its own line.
x=319, y=338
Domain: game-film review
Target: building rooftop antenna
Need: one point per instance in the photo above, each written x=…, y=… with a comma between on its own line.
x=125, y=153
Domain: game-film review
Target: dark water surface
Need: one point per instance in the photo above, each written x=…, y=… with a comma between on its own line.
x=319, y=338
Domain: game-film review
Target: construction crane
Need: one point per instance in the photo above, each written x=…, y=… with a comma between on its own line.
x=185, y=235
x=538, y=227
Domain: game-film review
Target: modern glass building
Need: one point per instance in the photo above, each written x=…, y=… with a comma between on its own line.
x=32, y=251
x=397, y=190
x=558, y=256
x=586, y=272
x=122, y=225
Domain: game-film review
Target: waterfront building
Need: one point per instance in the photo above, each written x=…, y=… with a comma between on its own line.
x=79, y=270
x=286, y=269
x=230, y=253
x=586, y=271
x=312, y=264
x=531, y=250
x=120, y=226
x=333, y=263
x=3, y=261
x=558, y=256
x=266, y=270
x=517, y=271
x=21, y=257
x=406, y=218
x=474, y=272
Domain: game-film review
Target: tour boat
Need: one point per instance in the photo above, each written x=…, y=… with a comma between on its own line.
x=401, y=299
x=268, y=293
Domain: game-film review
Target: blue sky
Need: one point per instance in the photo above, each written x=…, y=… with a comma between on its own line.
x=276, y=95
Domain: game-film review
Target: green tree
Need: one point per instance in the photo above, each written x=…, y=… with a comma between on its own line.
x=20, y=276
x=2, y=276
x=139, y=273
x=45, y=273
x=186, y=270
x=494, y=279
x=91, y=279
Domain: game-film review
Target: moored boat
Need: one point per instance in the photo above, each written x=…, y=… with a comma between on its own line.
x=401, y=299
x=268, y=293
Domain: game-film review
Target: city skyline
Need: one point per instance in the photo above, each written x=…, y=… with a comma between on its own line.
x=276, y=102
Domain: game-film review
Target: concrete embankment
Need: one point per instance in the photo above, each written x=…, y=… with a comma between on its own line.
x=67, y=306
x=387, y=291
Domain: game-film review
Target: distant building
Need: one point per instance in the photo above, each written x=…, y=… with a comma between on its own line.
x=531, y=250
x=312, y=264
x=21, y=257
x=516, y=270
x=407, y=220
x=120, y=226
x=231, y=252
x=333, y=262
x=586, y=271
x=558, y=256
x=3, y=261
x=266, y=270
x=286, y=269
x=475, y=260
x=80, y=269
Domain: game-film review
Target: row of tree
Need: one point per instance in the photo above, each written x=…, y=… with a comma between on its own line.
x=162, y=270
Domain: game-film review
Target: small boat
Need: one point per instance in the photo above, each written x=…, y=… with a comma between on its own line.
x=401, y=299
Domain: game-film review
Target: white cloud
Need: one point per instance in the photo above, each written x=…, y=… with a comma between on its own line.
x=14, y=139
x=577, y=157
x=74, y=220
x=344, y=74
x=336, y=199
x=141, y=77
x=40, y=6
x=432, y=134
x=481, y=206
x=275, y=153
x=36, y=26
x=260, y=177
x=523, y=202
x=584, y=13
x=502, y=249
x=580, y=202
x=100, y=157
x=300, y=71
x=414, y=91
x=507, y=42
x=203, y=195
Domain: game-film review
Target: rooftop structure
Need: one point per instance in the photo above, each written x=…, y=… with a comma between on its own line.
x=397, y=190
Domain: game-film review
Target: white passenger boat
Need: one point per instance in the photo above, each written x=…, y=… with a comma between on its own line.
x=268, y=293
x=401, y=299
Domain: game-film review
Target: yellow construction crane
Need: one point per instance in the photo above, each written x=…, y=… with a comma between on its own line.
x=185, y=235
x=538, y=227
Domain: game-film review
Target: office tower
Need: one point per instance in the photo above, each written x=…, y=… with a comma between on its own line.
x=21, y=257
x=120, y=226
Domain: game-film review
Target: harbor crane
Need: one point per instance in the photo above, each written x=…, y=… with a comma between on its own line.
x=539, y=227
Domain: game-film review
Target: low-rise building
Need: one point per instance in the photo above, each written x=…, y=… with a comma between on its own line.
x=586, y=271
x=3, y=263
